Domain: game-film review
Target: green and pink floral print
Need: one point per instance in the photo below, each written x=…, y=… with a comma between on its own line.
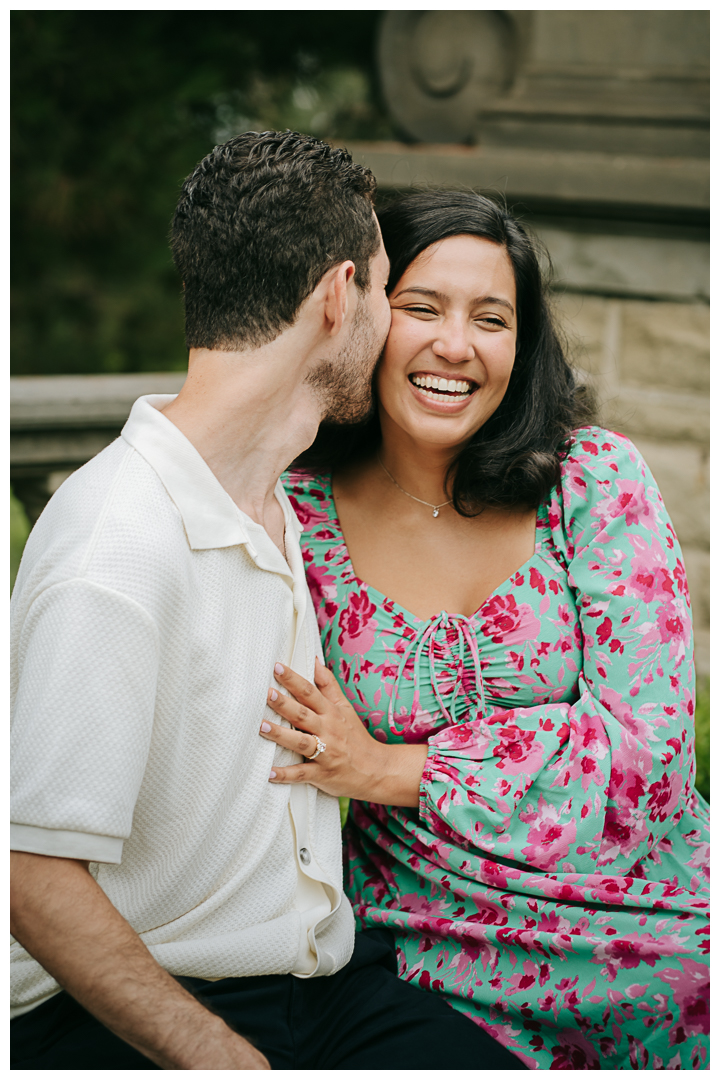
x=553, y=884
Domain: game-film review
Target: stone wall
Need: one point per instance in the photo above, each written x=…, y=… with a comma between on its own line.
x=612, y=81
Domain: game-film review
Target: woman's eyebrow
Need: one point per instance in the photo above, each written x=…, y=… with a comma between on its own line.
x=494, y=300
x=445, y=299
x=426, y=292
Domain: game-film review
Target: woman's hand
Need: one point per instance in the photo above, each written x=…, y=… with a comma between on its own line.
x=353, y=763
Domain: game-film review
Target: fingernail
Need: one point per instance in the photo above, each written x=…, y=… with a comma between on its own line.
x=279, y=669
x=273, y=695
x=273, y=774
x=265, y=726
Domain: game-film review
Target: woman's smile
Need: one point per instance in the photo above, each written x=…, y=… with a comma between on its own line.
x=442, y=392
x=451, y=348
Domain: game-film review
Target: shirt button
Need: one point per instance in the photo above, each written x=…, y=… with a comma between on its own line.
x=305, y=856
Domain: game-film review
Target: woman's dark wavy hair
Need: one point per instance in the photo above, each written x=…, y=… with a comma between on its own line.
x=514, y=458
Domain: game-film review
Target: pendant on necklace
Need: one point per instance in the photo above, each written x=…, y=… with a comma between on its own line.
x=436, y=511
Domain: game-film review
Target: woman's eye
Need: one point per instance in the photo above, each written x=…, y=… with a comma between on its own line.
x=493, y=320
x=418, y=310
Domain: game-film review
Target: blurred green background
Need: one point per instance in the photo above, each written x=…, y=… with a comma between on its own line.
x=110, y=111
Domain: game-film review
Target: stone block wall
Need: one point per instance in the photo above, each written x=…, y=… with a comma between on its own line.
x=649, y=364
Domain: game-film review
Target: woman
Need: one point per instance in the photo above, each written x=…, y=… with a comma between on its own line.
x=503, y=602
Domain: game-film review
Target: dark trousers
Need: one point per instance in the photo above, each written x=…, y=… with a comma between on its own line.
x=363, y=1017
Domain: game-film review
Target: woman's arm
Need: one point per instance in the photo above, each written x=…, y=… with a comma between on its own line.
x=599, y=783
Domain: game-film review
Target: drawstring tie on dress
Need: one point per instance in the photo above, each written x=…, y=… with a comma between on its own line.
x=427, y=638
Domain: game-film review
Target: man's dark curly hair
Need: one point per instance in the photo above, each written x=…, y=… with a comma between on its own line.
x=514, y=458
x=259, y=221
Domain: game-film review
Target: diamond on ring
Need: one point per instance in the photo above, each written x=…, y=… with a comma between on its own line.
x=321, y=748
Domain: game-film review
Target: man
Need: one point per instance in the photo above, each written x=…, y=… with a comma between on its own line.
x=171, y=907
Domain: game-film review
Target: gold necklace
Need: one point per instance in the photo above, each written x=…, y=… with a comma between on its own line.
x=435, y=509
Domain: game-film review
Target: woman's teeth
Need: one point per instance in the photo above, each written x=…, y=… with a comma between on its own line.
x=458, y=388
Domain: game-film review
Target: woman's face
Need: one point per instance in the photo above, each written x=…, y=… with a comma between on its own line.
x=451, y=347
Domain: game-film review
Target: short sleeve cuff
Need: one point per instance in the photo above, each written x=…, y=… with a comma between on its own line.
x=64, y=844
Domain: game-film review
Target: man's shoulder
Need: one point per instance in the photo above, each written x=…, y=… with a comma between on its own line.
x=117, y=488
x=109, y=519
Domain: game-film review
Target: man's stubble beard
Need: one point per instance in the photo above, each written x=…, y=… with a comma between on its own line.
x=344, y=384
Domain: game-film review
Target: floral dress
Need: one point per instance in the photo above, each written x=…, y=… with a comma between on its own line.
x=553, y=883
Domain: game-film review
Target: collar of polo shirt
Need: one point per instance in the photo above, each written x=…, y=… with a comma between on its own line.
x=210, y=517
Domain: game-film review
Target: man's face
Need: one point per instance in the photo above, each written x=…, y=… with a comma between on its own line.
x=346, y=380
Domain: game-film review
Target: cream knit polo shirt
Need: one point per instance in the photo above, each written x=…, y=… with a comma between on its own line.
x=147, y=617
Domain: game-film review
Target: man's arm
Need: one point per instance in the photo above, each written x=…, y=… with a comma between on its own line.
x=66, y=922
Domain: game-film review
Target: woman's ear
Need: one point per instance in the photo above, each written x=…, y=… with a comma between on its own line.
x=337, y=299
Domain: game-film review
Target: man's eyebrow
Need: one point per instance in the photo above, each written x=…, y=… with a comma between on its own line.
x=446, y=299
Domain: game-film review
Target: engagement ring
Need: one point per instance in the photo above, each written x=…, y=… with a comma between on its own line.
x=320, y=749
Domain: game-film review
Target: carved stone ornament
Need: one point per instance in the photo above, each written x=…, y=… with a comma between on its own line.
x=436, y=66
x=628, y=82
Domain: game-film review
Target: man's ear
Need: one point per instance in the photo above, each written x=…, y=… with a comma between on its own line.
x=337, y=299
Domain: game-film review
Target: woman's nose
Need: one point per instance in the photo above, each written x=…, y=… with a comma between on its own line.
x=453, y=342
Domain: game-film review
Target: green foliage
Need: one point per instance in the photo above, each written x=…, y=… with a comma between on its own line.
x=111, y=110
x=19, y=531
x=702, y=738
